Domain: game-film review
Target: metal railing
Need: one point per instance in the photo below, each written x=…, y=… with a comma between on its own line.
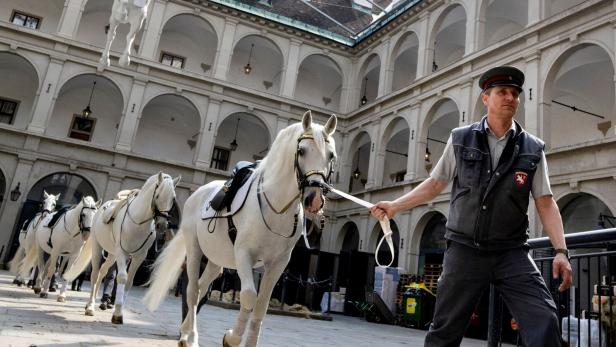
x=587, y=310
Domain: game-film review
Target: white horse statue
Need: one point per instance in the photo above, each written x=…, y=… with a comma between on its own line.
x=64, y=238
x=128, y=236
x=132, y=12
x=288, y=181
x=49, y=205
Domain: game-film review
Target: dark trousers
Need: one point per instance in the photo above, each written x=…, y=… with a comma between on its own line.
x=183, y=286
x=467, y=272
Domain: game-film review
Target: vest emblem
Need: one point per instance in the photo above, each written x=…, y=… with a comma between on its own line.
x=520, y=178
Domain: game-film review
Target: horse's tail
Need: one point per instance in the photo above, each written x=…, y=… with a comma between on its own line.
x=82, y=261
x=17, y=260
x=166, y=271
x=30, y=260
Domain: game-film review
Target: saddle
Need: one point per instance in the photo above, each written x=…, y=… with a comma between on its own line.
x=56, y=216
x=240, y=174
x=111, y=208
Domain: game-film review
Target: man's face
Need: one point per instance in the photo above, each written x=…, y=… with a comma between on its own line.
x=501, y=101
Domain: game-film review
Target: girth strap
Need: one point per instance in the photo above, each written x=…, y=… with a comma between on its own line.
x=232, y=230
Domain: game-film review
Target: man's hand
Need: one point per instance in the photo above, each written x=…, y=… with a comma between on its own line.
x=562, y=268
x=382, y=209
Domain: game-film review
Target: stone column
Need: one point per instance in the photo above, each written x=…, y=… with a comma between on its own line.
x=386, y=71
x=470, y=42
x=531, y=91
x=467, y=102
x=208, y=135
x=131, y=117
x=114, y=185
x=224, y=54
x=291, y=70
x=12, y=208
x=375, y=158
x=46, y=97
x=535, y=9
x=71, y=15
x=425, y=51
x=413, y=157
x=152, y=30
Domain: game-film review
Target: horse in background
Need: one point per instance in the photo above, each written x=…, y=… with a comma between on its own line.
x=290, y=179
x=61, y=234
x=127, y=236
x=131, y=12
x=25, y=242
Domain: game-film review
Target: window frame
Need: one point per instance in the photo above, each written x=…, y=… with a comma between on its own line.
x=8, y=100
x=72, y=130
x=214, y=162
x=28, y=15
x=173, y=58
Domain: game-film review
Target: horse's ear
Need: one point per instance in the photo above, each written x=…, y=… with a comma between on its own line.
x=177, y=180
x=160, y=176
x=330, y=126
x=307, y=120
x=58, y=196
x=99, y=203
x=45, y=195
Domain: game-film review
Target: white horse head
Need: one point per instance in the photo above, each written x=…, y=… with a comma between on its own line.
x=313, y=150
x=162, y=197
x=88, y=208
x=49, y=202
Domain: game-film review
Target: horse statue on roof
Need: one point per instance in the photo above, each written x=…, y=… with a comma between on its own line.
x=131, y=12
x=291, y=179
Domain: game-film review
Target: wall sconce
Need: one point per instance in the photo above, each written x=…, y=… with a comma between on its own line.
x=15, y=193
x=233, y=143
x=434, y=66
x=247, y=67
x=364, y=99
x=88, y=111
x=428, y=154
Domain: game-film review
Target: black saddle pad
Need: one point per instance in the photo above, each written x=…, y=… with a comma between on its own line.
x=56, y=216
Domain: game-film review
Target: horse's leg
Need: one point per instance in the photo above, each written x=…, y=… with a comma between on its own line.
x=135, y=25
x=95, y=277
x=248, y=298
x=270, y=277
x=135, y=263
x=38, y=273
x=121, y=278
x=113, y=24
x=48, y=271
x=64, y=283
x=188, y=330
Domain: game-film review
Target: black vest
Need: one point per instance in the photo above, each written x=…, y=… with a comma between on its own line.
x=489, y=205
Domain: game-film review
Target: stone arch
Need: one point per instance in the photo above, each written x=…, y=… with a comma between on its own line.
x=499, y=19
x=449, y=34
x=107, y=105
x=443, y=116
x=266, y=63
x=319, y=81
x=18, y=70
x=181, y=120
x=252, y=138
x=369, y=74
x=583, y=211
x=404, y=60
x=359, y=153
x=190, y=37
x=395, y=145
x=582, y=76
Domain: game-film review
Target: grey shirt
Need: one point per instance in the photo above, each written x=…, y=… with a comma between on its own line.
x=445, y=169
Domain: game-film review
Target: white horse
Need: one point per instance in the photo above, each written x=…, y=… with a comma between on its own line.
x=288, y=181
x=132, y=12
x=128, y=236
x=65, y=238
x=25, y=242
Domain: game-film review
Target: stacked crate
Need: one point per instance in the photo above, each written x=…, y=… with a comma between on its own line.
x=431, y=274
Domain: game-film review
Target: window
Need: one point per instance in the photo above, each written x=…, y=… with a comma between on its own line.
x=8, y=109
x=172, y=60
x=25, y=20
x=220, y=159
x=82, y=128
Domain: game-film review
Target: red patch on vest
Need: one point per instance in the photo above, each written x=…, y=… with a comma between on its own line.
x=520, y=178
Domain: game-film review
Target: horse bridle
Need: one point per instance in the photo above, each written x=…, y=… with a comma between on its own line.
x=81, y=214
x=303, y=180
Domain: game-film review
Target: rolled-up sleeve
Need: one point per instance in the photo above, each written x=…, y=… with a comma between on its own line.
x=445, y=169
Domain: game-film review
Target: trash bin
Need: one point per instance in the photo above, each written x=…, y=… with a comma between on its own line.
x=418, y=306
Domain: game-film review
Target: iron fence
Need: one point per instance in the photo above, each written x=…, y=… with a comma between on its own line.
x=587, y=310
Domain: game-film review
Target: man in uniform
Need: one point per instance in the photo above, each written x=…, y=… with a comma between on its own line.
x=495, y=166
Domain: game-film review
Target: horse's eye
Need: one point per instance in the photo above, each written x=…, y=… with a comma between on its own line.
x=301, y=151
x=331, y=156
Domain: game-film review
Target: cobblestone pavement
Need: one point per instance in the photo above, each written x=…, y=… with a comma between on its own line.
x=27, y=320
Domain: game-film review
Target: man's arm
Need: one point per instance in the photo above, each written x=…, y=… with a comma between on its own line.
x=423, y=193
x=553, y=226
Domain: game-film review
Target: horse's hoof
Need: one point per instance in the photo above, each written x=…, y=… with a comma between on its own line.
x=103, y=306
x=182, y=343
x=117, y=320
x=230, y=340
x=43, y=295
x=89, y=312
x=37, y=290
x=61, y=299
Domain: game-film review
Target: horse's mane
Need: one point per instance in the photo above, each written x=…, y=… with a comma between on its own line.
x=88, y=201
x=282, y=152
